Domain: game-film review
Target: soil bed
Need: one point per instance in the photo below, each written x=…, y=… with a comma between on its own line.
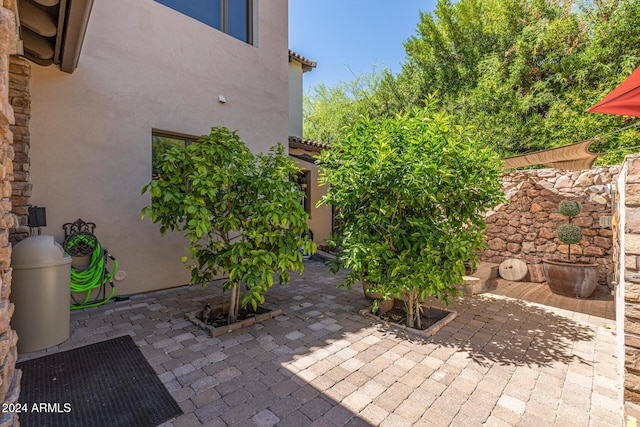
x=433, y=319
x=221, y=319
x=430, y=316
x=216, y=324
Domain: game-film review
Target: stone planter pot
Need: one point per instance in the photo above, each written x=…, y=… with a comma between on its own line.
x=383, y=305
x=370, y=295
x=571, y=279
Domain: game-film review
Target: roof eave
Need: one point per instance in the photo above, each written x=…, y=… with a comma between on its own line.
x=75, y=27
x=53, y=31
x=307, y=144
x=307, y=64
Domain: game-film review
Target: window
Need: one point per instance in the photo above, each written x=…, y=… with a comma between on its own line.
x=160, y=143
x=304, y=181
x=234, y=17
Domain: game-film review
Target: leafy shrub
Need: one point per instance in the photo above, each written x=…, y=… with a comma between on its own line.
x=240, y=211
x=569, y=234
x=410, y=193
x=569, y=208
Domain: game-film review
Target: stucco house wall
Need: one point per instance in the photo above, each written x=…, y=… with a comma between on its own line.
x=91, y=130
x=295, y=98
x=320, y=221
x=320, y=216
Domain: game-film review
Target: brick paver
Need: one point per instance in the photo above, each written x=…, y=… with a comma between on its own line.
x=501, y=362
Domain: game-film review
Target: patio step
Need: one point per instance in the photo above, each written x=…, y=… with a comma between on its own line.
x=324, y=256
x=484, y=279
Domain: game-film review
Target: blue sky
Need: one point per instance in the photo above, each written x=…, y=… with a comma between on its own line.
x=349, y=37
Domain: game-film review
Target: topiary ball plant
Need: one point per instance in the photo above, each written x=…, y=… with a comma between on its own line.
x=569, y=233
x=569, y=208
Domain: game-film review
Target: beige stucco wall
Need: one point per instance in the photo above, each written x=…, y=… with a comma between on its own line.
x=295, y=99
x=144, y=66
x=320, y=221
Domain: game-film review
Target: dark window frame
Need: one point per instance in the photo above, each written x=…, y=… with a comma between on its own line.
x=248, y=37
x=187, y=139
x=304, y=182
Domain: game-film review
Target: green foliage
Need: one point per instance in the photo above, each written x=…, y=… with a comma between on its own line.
x=569, y=234
x=522, y=73
x=241, y=213
x=410, y=193
x=160, y=146
x=329, y=111
x=569, y=208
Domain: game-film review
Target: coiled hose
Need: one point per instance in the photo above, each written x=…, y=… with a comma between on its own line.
x=93, y=277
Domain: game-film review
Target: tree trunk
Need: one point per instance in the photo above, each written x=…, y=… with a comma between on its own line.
x=410, y=309
x=234, y=304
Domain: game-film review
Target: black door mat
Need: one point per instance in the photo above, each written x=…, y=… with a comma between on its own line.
x=108, y=384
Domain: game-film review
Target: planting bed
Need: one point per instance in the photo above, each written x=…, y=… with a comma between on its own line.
x=433, y=319
x=217, y=324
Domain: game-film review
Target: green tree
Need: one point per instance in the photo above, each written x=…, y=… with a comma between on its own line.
x=240, y=211
x=410, y=193
x=160, y=145
x=522, y=73
x=450, y=42
x=328, y=111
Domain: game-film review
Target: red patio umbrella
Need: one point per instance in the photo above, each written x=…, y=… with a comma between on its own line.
x=623, y=100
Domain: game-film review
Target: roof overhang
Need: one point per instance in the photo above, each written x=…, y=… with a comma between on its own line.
x=307, y=64
x=52, y=31
x=307, y=144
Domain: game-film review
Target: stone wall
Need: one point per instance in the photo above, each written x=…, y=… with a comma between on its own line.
x=629, y=262
x=524, y=227
x=9, y=377
x=20, y=100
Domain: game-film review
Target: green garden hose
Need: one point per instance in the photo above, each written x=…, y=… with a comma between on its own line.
x=93, y=277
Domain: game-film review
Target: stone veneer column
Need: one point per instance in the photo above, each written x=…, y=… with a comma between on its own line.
x=9, y=377
x=20, y=100
x=629, y=264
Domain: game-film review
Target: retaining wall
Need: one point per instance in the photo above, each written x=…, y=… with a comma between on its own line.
x=524, y=226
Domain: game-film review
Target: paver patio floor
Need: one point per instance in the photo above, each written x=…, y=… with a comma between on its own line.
x=500, y=362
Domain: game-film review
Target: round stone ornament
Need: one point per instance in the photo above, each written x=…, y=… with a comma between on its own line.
x=513, y=269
